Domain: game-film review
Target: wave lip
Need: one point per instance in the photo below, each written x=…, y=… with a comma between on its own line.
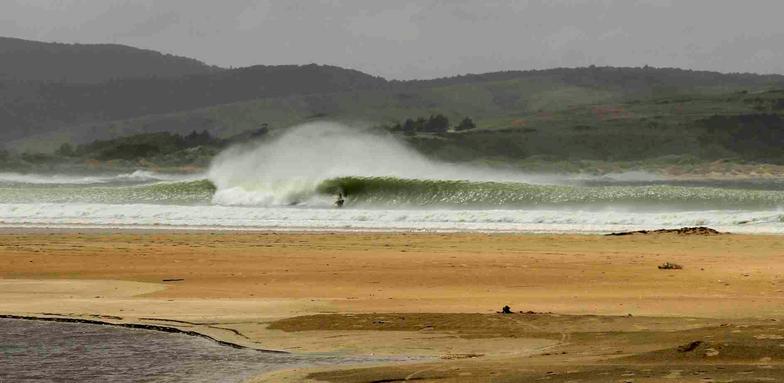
x=403, y=193
x=393, y=192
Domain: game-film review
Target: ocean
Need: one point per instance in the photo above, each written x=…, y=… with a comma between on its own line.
x=292, y=182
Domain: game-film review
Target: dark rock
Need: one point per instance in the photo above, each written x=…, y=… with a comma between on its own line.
x=690, y=346
x=698, y=230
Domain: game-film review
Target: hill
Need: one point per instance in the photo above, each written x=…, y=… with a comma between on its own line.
x=543, y=100
x=562, y=126
x=520, y=117
x=32, y=109
x=24, y=60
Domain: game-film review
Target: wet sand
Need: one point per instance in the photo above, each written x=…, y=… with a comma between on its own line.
x=432, y=295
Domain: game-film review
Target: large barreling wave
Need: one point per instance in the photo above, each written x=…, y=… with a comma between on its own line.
x=309, y=165
x=387, y=186
x=299, y=166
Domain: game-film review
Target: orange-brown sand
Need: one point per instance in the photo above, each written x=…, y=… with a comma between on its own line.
x=261, y=290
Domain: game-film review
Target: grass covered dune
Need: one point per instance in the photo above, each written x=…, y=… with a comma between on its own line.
x=586, y=308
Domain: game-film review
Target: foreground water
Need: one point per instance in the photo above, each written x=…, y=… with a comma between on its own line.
x=37, y=351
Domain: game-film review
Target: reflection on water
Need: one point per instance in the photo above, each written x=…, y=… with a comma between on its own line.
x=35, y=351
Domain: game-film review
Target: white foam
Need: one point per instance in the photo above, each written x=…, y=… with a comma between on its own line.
x=293, y=218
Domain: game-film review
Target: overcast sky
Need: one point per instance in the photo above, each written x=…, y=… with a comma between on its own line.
x=426, y=38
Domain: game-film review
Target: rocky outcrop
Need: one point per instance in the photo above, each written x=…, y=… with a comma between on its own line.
x=698, y=230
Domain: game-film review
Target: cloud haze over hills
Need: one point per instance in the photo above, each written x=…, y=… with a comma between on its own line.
x=423, y=39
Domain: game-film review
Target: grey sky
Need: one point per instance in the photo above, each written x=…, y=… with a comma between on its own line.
x=423, y=39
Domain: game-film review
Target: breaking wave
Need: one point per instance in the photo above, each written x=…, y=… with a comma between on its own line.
x=387, y=186
x=381, y=191
x=290, y=169
x=309, y=165
x=393, y=192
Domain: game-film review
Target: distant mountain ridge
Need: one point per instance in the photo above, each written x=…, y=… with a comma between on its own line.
x=518, y=114
x=26, y=60
x=631, y=77
x=45, y=106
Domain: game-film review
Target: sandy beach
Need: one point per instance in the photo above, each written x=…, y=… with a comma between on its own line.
x=585, y=307
x=391, y=191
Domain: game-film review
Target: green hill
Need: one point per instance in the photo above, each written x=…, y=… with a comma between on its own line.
x=521, y=117
x=25, y=60
x=34, y=75
x=543, y=115
x=34, y=108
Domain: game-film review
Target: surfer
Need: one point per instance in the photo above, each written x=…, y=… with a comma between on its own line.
x=340, y=201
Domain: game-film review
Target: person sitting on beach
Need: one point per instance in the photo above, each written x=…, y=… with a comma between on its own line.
x=340, y=201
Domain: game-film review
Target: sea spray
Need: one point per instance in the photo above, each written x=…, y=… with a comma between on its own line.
x=289, y=169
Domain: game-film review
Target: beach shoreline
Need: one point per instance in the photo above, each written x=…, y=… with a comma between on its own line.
x=150, y=229
x=263, y=289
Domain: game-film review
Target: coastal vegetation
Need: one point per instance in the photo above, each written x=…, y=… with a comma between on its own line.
x=165, y=150
x=180, y=113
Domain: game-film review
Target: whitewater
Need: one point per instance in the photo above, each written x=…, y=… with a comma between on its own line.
x=290, y=182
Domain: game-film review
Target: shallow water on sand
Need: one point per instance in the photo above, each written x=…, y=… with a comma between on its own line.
x=37, y=351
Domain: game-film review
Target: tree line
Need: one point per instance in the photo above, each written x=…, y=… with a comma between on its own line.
x=436, y=123
x=140, y=145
